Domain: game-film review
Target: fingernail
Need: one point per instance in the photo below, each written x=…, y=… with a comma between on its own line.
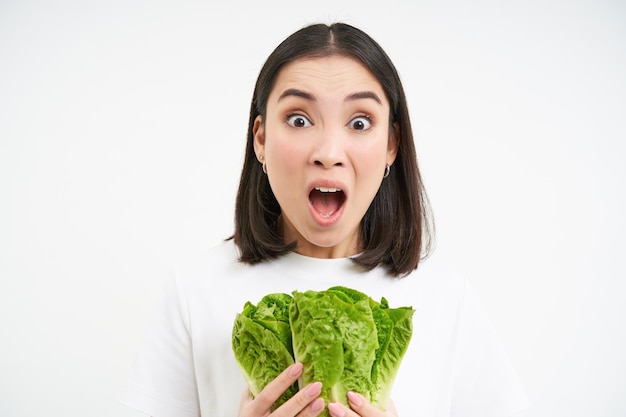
x=336, y=410
x=295, y=369
x=314, y=389
x=317, y=405
x=355, y=399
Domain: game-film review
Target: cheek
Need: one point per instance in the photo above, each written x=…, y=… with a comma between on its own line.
x=368, y=160
x=283, y=154
x=369, y=167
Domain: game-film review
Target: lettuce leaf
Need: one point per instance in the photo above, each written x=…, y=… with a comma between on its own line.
x=261, y=340
x=334, y=336
x=344, y=339
x=395, y=328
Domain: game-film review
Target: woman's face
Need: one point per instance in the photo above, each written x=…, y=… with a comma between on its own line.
x=326, y=141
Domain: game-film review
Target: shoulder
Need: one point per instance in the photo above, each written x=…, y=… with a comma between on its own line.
x=223, y=255
x=215, y=267
x=214, y=280
x=202, y=276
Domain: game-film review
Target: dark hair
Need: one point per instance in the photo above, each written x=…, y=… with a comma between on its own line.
x=396, y=229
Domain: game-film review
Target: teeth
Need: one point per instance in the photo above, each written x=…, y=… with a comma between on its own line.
x=327, y=190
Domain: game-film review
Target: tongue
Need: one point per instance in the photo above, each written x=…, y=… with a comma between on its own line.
x=326, y=203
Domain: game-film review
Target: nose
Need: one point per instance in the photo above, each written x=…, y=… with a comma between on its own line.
x=328, y=150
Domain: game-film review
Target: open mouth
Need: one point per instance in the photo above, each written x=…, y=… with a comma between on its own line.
x=326, y=200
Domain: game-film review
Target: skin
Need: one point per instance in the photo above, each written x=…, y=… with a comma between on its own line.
x=327, y=123
x=306, y=403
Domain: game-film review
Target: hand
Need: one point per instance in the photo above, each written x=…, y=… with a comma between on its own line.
x=360, y=407
x=306, y=403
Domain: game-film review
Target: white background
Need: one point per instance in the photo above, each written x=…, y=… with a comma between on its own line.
x=122, y=126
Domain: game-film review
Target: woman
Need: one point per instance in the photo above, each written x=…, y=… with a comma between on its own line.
x=330, y=194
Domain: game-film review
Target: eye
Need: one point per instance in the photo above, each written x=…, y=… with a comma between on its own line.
x=360, y=123
x=298, y=120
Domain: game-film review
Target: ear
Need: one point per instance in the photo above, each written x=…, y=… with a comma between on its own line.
x=258, y=131
x=392, y=144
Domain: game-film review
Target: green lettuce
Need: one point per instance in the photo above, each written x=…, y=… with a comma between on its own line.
x=261, y=340
x=344, y=339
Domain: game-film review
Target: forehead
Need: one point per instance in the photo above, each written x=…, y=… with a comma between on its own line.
x=328, y=76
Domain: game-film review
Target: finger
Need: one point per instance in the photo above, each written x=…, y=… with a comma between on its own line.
x=314, y=409
x=317, y=406
x=246, y=397
x=339, y=410
x=309, y=396
x=275, y=389
x=364, y=408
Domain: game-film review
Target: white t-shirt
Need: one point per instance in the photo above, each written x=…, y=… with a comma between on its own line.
x=454, y=366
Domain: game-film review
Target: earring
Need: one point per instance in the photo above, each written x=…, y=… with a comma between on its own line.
x=387, y=170
x=262, y=161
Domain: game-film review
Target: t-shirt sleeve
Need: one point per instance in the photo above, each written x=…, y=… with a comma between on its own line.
x=485, y=383
x=162, y=382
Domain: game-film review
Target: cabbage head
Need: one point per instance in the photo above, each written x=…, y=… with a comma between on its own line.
x=344, y=339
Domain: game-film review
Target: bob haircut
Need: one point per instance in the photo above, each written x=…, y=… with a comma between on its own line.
x=396, y=229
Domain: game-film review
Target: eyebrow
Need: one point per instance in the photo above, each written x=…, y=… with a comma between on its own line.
x=364, y=94
x=295, y=92
x=355, y=96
